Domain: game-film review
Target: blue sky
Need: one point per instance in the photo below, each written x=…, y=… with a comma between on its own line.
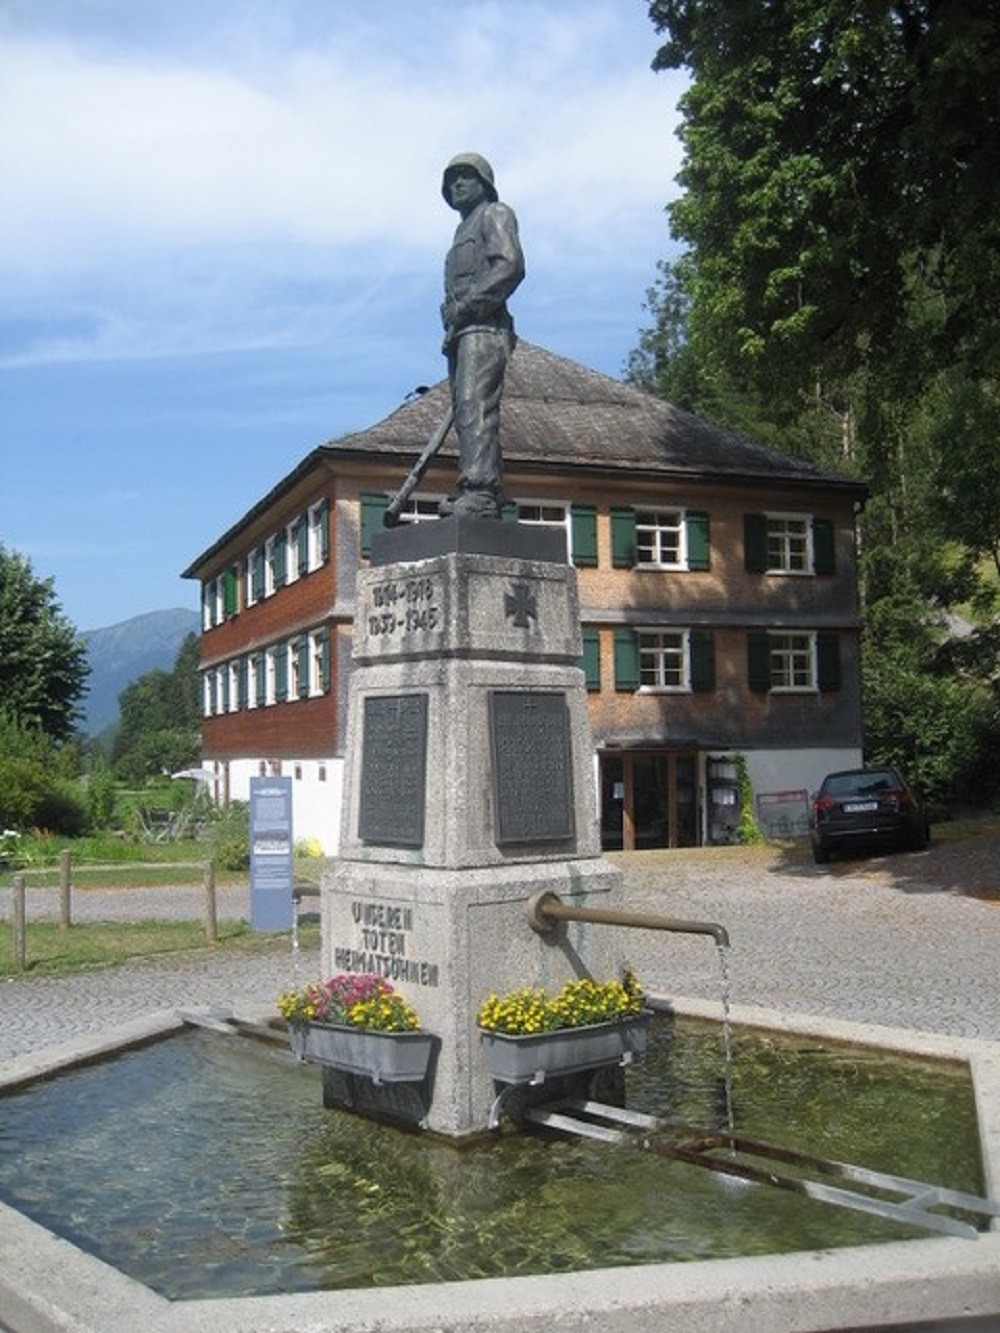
x=222, y=237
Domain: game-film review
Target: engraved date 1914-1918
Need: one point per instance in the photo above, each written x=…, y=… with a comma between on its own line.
x=404, y=606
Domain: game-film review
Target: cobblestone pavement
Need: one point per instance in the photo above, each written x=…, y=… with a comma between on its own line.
x=899, y=940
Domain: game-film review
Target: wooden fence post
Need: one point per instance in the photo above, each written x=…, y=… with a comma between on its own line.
x=65, y=889
x=19, y=918
x=211, y=914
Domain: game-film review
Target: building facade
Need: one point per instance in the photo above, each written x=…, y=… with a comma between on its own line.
x=718, y=593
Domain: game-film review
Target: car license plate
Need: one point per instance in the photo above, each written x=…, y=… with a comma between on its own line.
x=859, y=807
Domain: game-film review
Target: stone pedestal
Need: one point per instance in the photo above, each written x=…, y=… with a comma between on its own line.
x=469, y=787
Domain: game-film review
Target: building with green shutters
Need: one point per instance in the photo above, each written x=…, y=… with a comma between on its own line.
x=718, y=596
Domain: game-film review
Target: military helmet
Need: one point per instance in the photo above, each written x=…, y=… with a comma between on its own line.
x=477, y=164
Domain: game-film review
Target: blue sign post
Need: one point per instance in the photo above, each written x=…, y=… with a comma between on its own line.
x=271, y=853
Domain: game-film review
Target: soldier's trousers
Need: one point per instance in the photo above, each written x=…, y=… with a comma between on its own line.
x=477, y=363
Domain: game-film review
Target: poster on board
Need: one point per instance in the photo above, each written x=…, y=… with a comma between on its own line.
x=271, y=853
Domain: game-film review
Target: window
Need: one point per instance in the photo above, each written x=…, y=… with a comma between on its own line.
x=207, y=693
x=420, y=509
x=669, y=538
x=659, y=537
x=255, y=581
x=319, y=681
x=663, y=660
x=793, y=662
x=276, y=563
x=789, y=663
x=296, y=549
x=670, y=660
x=253, y=687
x=236, y=684
x=788, y=544
x=298, y=662
x=318, y=540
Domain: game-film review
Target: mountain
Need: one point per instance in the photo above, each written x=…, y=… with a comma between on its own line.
x=120, y=654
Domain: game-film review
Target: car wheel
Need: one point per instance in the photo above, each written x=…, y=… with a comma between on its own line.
x=820, y=854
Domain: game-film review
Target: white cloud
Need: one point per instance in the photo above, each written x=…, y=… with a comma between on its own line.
x=300, y=157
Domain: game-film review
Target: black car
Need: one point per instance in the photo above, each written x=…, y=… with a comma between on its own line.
x=866, y=806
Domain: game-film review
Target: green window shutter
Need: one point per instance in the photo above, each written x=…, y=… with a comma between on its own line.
x=758, y=660
x=591, y=659
x=509, y=512
x=225, y=690
x=623, y=538
x=626, y=660
x=373, y=508
x=302, y=667
x=324, y=660
x=241, y=679
x=281, y=672
x=230, y=592
x=824, y=549
x=261, y=680
x=583, y=519
x=257, y=574
x=755, y=543
x=702, y=661
x=828, y=660
x=300, y=533
x=324, y=531
x=279, y=567
x=699, y=546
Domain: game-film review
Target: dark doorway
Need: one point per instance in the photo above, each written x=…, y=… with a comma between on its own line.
x=649, y=798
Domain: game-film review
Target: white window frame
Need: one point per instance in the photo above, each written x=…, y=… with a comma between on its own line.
x=316, y=639
x=779, y=533
x=207, y=693
x=661, y=523
x=270, y=586
x=253, y=597
x=794, y=667
x=420, y=508
x=234, y=685
x=663, y=660
x=271, y=673
x=314, y=516
x=252, y=668
x=292, y=671
x=291, y=552
x=559, y=516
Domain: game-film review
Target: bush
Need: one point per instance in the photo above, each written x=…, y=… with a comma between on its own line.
x=229, y=837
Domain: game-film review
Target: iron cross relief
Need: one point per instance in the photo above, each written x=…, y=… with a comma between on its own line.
x=520, y=605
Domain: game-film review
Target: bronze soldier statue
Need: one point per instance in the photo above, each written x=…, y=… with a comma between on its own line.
x=482, y=268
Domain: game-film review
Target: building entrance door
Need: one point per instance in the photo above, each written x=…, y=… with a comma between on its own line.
x=649, y=798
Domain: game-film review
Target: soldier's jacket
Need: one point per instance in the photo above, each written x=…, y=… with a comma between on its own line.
x=482, y=268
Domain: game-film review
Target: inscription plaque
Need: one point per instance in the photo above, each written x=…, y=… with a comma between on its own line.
x=532, y=766
x=393, y=770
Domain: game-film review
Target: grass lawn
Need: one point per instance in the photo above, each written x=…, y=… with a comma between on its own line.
x=51, y=951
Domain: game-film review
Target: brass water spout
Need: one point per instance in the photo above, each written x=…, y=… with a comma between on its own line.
x=546, y=909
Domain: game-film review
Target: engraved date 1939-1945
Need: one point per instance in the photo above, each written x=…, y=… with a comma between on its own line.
x=404, y=606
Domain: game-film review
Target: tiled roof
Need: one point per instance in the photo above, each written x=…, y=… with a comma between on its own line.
x=557, y=413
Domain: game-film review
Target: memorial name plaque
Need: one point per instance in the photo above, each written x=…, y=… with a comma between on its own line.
x=393, y=770
x=532, y=766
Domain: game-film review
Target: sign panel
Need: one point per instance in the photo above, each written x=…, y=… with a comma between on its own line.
x=271, y=853
x=393, y=770
x=532, y=766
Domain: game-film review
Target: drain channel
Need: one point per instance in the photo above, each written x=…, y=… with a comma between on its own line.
x=733, y=1155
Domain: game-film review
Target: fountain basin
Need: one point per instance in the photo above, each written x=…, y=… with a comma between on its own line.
x=47, y=1283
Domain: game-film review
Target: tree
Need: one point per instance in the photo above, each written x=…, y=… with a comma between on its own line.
x=160, y=718
x=43, y=664
x=838, y=294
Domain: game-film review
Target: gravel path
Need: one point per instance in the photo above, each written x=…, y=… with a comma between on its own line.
x=900, y=940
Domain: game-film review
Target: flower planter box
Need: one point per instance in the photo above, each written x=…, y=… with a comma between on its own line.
x=384, y=1057
x=532, y=1059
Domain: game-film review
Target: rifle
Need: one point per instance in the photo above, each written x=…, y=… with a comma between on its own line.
x=391, y=516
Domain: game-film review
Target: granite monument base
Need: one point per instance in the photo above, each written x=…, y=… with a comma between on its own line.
x=448, y=938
